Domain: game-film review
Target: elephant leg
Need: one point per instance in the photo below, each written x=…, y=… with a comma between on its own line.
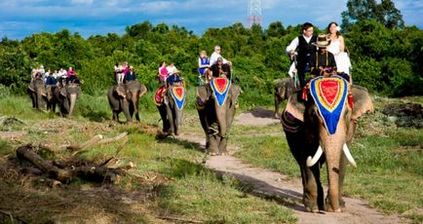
x=222, y=146
x=342, y=170
x=163, y=115
x=277, y=103
x=213, y=146
x=116, y=116
x=137, y=114
x=170, y=119
x=33, y=99
x=313, y=198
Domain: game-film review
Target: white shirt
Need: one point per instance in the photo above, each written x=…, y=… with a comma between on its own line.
x=171, y=69
x=294, y=43
x=214, y=57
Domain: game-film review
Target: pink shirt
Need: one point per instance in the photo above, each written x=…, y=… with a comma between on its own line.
x=163, y=73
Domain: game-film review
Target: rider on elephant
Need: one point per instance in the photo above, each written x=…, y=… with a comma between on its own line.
x=302, y=48
x=203, y=65
x=51, y=80
x=131, y=75
x=220, y=68
x=71, y=76
x=174, y=75
x=323, y=62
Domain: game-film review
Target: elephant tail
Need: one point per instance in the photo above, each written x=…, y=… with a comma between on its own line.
x=290, y=123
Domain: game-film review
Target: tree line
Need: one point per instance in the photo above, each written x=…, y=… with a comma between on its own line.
x=387, y=56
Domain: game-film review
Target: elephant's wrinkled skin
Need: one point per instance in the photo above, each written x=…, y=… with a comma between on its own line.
x=283, y=90
x=125, y=98
x=216, y=120
x=305, y=131
x=66, y=97
x=170, y=114
x=37, y=92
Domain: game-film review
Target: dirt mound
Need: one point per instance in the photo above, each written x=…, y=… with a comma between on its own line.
x=405, y=114
x=258, y=117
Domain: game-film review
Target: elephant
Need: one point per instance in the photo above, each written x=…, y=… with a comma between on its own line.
x=125, y=98
x=216, y=106
x=315, y=136
x=51, y=100
x=283, y=90
x=66, y=96
x=37, y=91
x=170, y=101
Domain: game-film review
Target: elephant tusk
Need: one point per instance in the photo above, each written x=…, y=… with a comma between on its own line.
x=348, y=155
x=316, y=157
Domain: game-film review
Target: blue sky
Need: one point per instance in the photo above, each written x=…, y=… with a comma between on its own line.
x=20, y=18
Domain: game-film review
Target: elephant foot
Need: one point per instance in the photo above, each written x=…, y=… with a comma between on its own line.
x=330, y=208
x=334, y=210
x=310, y=205
x=213, y=154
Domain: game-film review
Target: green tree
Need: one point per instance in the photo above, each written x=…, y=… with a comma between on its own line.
x=359, y=10
x=275, y=29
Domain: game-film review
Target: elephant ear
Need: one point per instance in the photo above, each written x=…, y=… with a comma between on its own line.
x=120, y=90
x=143, y=90
x=235, y=92
x=203, y=95
x=362, y=101
x=63, y=92
x=295, y=108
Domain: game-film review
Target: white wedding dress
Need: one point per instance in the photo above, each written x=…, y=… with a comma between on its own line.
x=343, y=63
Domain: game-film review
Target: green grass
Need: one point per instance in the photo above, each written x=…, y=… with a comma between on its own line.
x=184, y=187
x=218, y=201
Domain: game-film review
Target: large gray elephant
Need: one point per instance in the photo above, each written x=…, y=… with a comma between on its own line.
x=170, y=102
x=283, y=90
x=319, y=129
x=125, y=98
x=37, y=92
x=216, y=106
x=66, y=96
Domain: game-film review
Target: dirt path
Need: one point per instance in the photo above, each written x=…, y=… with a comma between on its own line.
x=287, y=192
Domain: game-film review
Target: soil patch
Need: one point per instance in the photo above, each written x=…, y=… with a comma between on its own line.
x=256, y=117
x=405, y=114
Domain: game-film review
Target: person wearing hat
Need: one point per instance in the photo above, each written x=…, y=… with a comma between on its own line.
x=173, y=74
x=301, y=49
x=323, y=62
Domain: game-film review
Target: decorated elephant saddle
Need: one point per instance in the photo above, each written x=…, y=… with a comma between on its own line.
x=178, y=95
x=220, y=87
x=159, y=95
x=330, y=95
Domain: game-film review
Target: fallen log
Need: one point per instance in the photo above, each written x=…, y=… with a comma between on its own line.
x=96, y=140
x=27, y=153
x=86, y=144
x=114, y=139
x=65, y=175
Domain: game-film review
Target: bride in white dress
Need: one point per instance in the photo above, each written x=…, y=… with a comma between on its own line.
x=337, y=48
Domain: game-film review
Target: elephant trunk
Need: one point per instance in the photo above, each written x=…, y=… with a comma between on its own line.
x=125, y=107
x=221, y=118
x=134, y=101
x=72, y=101
x=333, y=148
